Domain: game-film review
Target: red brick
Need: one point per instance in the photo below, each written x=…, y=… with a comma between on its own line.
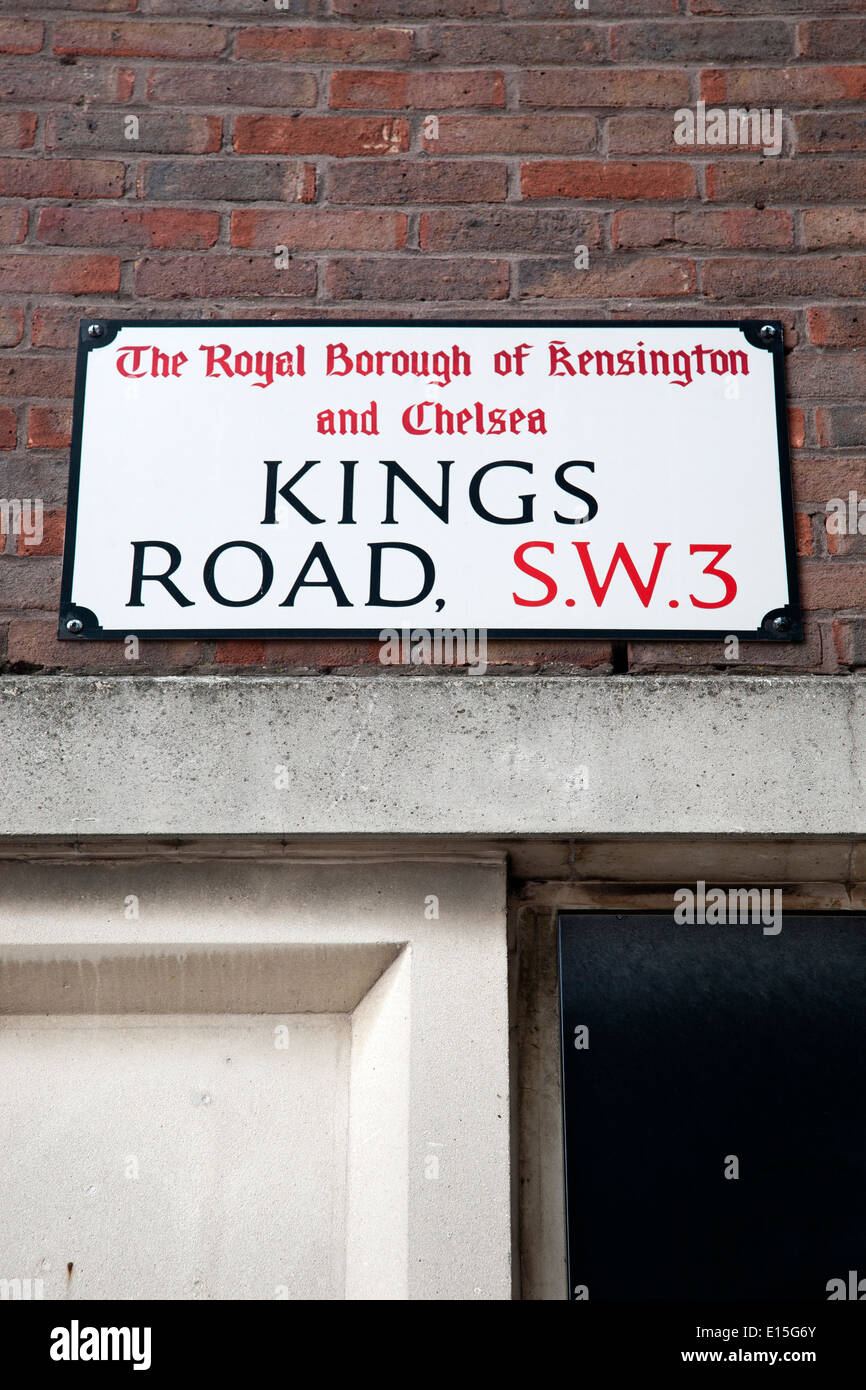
x=416, y=9
x=784, y=277
x=211, y=277
x=17, y=130
x=417, y=279
x=236, y=8
x=843, y=427
x=667, y=41
x=465, y=45
x=53, y=530
x=34, y=274
x=11, y=324
x=29, y=582
x=239, y=653
x=508, y=229
x=615, y=180
x=649, y=134
x=78, y=131
x=833, y=584
x=334, y=135
x=560, y=656
x=637, y=277
x=402, y=181
x=799, y=86
x=710, y=656
x=849, y=638
x=102, y=6
x=57, y=327
x=369, y=90
x=837, y=327
x=512, y=135
x=61, y=178
x=796, y=427
x=773, y=180
x=8, y=432
x=771, y=7
x=21, y=35
x=738, y=227
x=133, y=38
x=58, y=82
x=832, y=38
x=148, y=228
x=228, y=180
x=33, y=645
x=44, y=377
x=427, y=91
x=636, y=227
x=831, y=376
x=726, y=313
x=818, y=478
x=247, y=85
x=853, y=545
x=643, y=134
x=325, y=44
x=817, y=131
x=803, y=533
x=598, y=9
x=13, y=225
x=49, y=428
x=316, y=655
x=587, y=87
x=834, y=227
x=319, y=229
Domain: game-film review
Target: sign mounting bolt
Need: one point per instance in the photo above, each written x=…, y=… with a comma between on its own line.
x=781, y=623
x=74, y=625
x=97, y=330
x=768, y=332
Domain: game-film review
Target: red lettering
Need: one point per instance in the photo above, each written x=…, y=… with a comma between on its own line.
x=620, y=555
x=135, y=354
x=534, y=573
x=213, y=361
x=560, y=357
x=730, y=583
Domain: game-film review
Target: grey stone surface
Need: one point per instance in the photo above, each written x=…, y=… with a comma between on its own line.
x=468, y=756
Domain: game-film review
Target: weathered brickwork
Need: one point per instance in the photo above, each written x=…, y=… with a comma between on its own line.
x=431, y=158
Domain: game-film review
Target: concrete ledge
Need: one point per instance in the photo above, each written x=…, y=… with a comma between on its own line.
x=468, y=756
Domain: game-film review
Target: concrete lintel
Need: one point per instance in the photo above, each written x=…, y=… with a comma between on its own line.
x=421, y=755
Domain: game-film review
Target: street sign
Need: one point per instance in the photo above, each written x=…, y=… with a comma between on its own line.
x=275, y=479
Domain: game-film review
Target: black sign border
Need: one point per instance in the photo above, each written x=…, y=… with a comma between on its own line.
x=783, y=624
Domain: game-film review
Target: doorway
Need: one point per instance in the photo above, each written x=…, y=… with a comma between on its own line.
x=713, y=1097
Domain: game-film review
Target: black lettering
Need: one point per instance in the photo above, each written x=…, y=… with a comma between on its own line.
x=139, y=576
x=210, y=582
x=562, y=481
x=395, y=471
x=376, y=600
x=330, y=581
x=349, y=466
x=478, y=506
x=285, y=492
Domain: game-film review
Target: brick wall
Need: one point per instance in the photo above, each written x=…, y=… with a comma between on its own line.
x=310, y=126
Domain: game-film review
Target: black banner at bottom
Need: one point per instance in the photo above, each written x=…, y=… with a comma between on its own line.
x=162, y=1339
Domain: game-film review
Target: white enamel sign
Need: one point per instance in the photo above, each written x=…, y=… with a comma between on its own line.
x=281, y=479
